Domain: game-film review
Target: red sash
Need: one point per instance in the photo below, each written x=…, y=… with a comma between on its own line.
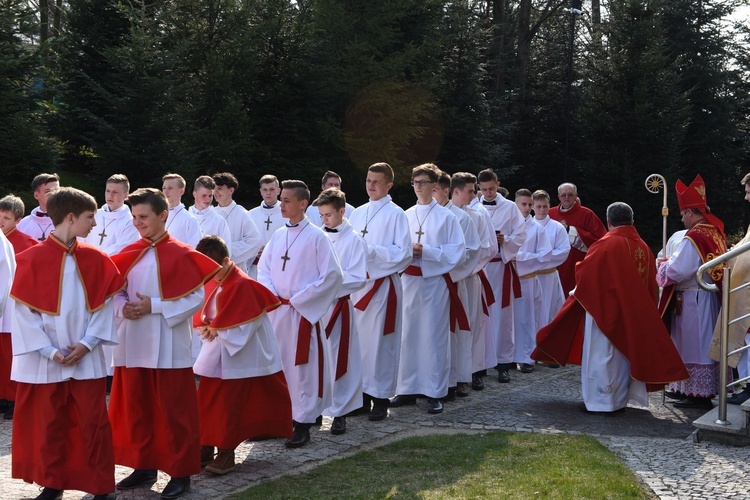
x=457, y=312
x=390, y=309
x=304, y=339
x=488, y=296
x=341, y=309
x=510, y=278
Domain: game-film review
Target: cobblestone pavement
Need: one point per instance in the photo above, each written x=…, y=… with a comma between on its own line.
x=654, y=443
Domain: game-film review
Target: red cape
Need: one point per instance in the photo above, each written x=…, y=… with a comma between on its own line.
x=616, y=284
x=242, y=300
x=20, y=241
x=590, y=229
x=38, y=280
x=182, y=270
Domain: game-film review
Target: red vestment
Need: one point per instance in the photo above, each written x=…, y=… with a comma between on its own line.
x=20, y=241
x=616, y=284
x=590, y=229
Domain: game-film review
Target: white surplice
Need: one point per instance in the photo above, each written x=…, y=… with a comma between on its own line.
x=483, y=346
x=7, y=271
x=310, y=281
x=508, y=220
x=424, y=364
x=162, y=339
x=246, y=239
x=313, y=214
x=32, y=331
x=549, y=279
x=267, y=220
x=351, y=251
x=531, y=258
x=388, y=254
x=211, y=223
x=182, y=226
x=114, y=230
x=35, y=226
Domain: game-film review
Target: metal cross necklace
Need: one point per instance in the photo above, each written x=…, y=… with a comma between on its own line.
x=367, y=220
x=420, y=232
x=286, y=257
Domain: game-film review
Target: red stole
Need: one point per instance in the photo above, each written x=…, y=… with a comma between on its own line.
x=616, y=284
x=181, y=270
x=39, y=275
x=242, y=300
x=20, y=241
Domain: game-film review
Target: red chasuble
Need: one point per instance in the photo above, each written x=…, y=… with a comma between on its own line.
x=39, y=274
x=709, y=242
x=20, y=241
x=182, y=270
x=590, y=229
x=242, y=300
x=616, y=284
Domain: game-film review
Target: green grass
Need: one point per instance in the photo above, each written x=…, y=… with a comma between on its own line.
x=493, y=465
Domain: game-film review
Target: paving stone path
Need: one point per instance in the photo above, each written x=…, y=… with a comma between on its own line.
x=654, y=443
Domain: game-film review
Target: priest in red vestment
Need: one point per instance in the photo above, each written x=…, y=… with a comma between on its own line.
x=583, y=226
x=611, y=325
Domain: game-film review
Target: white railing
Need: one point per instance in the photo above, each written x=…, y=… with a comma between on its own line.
x=725, y=321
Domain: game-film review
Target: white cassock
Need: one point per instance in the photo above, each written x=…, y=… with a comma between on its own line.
x=483, y=347
x=313, y=214
x=35, y=226
x=549, y=279
x=530, y=259
x=245, y=351
x=308, y=282
x=7, y=270
x=506, y=219
x=267, y=220
x=693, y=328
x=464, y=278
x=211, y=223
x=182, y=226
x=162, y=339
x=385, y=230
x=32, y=331
x=606, y=384
x=672, y=244
x=246, y=240
x=424, y=364
x=351, y=251
x=114, y=230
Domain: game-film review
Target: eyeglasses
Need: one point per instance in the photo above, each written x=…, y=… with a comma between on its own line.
x=421, y=183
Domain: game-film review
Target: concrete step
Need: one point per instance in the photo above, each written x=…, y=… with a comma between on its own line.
x=735, y=433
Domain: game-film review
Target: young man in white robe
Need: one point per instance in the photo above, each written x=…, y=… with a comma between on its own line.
x=530, y=259
x=341, y=331
x=549, y=279
x=464, y=278
x=330, y=180
x=510, y=233
x=431, y=307
x=115, y=229
x=377, y=307
x=37, y=224
x=300, y=267
x=153, y=404
x=246, y=240
x=62, y=437
x=266, y=216
x=181, y=225
x=209, y=222
x=242, y=392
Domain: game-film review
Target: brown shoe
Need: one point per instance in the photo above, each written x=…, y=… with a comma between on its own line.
x=207, y=455
x=462, y=390
x=223, y=463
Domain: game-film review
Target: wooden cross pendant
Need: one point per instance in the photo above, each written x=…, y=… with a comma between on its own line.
x=285, y=258
x=419, y=235
x=268, y=223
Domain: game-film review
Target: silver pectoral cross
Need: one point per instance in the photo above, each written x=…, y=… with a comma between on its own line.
x=285, y=258
x=419, y=235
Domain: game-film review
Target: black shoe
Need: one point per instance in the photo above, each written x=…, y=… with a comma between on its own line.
x=693, y=402
x=737, y=398
x=108, y=496
x=476, y=383
x=338, y=426
x=527, y=368
x=675, y=395
x=553, y=365
x=402, y=400
x=109, y=383
x=503, y=377
x=9, y=412
x=451, y=395
x=300, y=437
x=434, y=405
x=176, y=487
x=50, y=494
x=137, y=478
x=319, y=420
x=379, y=409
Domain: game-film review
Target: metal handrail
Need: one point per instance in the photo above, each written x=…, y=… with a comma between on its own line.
x=725, y=322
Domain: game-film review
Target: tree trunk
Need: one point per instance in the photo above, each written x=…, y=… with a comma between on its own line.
x=524, y=49
x=56, y=23
x=43, y=20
